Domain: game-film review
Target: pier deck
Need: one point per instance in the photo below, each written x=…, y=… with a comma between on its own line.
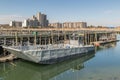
x=45, y=36
x=7, y=58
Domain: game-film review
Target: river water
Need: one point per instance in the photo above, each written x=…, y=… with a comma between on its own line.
x=104, y=64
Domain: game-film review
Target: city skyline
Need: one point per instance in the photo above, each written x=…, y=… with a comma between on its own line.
x=94, y=12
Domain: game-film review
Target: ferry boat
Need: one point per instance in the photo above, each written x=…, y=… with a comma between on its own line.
x=51, y=53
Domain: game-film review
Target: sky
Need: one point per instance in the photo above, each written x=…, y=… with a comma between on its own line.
x=94, y=12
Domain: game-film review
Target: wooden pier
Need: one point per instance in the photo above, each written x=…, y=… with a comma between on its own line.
x=7, y=58
x=44, y=36
x=51, y=35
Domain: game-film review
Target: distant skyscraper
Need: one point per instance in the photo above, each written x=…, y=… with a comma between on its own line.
x=40, y=20
x=38, y=16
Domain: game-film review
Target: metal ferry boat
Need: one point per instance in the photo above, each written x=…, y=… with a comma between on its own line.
x=51, y=53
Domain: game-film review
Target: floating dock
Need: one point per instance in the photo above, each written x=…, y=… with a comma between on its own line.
x=10, y=57
x=98, y=43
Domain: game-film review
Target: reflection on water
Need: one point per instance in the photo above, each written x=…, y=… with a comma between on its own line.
x=21, y=70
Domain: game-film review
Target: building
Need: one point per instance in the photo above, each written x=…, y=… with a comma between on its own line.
x=40, y=20
x=15, y=24
x=30, y=22
x=25, y=23
x=74, y=24
x=68, y=25
x=55, y=25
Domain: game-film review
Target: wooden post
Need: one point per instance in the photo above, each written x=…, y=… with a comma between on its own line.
x=28, y=40
x=95, y=36
x=64, y=36
x=35, y=38
x=49, y=40
x=45, y=40
x=4, y=41
x=21, y=40
x=40, y=39
x=52, y=37
x=16, y=38
x=58, y=38
x=90, y=39
x=85, y=39
x=13, y=41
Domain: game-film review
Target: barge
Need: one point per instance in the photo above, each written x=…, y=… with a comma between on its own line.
x=50, y=53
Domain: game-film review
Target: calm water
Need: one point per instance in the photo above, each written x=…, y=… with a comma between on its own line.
x=104, y=64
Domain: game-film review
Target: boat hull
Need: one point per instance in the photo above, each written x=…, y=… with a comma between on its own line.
x=51, y=56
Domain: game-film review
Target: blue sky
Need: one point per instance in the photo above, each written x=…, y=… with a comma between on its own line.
x=94, y=12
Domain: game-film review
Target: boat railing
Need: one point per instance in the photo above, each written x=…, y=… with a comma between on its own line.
x=44, y=47
x=37, y=47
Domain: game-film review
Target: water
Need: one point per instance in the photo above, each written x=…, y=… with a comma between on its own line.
x=104, y=64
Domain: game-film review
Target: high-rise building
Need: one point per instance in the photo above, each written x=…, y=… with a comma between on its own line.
x=30, y=23
x=40, y=20
x=38, y=16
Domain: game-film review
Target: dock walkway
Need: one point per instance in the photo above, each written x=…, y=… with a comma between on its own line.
x=98, y=43
x=7, y=58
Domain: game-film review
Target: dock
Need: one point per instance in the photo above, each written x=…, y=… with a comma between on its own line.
x=45, y=36
x=10, y=57
x=98, y=43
